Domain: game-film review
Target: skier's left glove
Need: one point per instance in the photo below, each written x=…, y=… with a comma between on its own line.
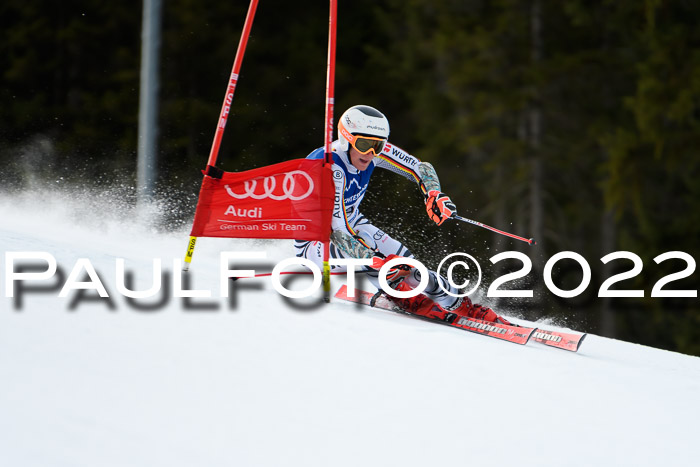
x=397, y=273
x=439, y=206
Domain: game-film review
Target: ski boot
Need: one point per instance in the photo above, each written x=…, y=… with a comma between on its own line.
x=423, y=306
x=418, y=305
x=465, y=307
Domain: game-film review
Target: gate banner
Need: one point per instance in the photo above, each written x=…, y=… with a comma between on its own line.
x=289, y=200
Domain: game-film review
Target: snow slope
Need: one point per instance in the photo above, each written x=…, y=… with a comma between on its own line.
x=257, y=382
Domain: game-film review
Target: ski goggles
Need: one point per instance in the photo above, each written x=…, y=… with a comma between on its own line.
x=363, y=144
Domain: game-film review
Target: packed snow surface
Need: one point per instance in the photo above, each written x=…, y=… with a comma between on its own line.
x=253, y=380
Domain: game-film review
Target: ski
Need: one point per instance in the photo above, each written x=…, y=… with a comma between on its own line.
x=513, y=333
x=560, y=340
x=516, y=334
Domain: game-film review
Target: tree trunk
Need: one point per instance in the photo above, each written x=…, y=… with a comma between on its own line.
x=534, y=129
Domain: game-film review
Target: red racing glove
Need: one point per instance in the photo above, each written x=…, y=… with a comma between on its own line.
x=439, y=206
x=397, y=272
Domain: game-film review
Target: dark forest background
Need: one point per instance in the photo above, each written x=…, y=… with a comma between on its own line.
x=570, y=121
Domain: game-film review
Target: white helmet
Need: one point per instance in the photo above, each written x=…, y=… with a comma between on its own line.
x=361, y=120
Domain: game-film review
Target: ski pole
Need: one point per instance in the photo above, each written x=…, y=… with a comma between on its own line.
x=300, y=273
x=530, y=241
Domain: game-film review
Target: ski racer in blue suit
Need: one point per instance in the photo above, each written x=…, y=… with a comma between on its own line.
x=362, y=146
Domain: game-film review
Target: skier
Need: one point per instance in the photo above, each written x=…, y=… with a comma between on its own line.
x=361, y=146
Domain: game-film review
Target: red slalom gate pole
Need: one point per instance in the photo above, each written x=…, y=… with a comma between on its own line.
x=330, y=98
x=233, y=80
x=225, y=108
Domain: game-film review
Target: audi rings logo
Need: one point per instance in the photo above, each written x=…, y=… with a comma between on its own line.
x=295, y=186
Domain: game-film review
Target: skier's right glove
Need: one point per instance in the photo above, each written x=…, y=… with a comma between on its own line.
x=395, y=274
x=439, y=206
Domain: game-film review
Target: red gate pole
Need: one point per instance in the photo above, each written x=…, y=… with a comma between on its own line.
x=225, y=108
x=330, y=97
